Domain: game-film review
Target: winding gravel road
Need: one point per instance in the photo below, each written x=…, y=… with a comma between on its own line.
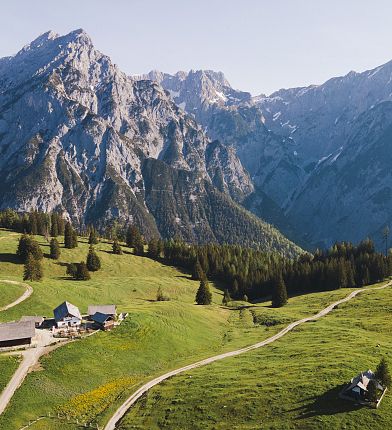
x=23, y=297
x=122, y=410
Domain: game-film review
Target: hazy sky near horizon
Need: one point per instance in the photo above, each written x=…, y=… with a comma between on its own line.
x=260, y=45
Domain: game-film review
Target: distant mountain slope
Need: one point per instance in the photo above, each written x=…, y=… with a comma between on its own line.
x=76, y=134
x=298, y=144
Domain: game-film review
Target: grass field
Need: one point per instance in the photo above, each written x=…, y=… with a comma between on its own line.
x=8, y=365
x=88, y=379
x=9, y=293
x=291, y=384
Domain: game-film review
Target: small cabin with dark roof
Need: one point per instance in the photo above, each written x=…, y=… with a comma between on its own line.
x=67, y=315
x=16, y=333
x=357, y=389
x=102, y=309
x=103, y=321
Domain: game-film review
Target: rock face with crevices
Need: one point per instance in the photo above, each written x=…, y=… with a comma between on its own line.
x=317, y=155
x=79, y=136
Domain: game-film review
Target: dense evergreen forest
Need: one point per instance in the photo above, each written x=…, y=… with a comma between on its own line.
x=245, y=272
x=256, y=274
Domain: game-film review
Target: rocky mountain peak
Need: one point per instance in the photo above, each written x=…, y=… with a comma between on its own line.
x=79, y=136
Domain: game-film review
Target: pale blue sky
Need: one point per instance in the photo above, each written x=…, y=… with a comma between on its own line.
x=260, y=45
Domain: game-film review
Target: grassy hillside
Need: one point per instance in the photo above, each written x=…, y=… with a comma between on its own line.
x=9, y=293
x=8, y=365
x=88, y=379
x=291, y=384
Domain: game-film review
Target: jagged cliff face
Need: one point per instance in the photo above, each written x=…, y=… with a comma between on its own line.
x=77, y=135
x=305, y=149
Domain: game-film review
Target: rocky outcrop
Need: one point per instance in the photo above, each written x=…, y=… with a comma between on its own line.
x=76, y=134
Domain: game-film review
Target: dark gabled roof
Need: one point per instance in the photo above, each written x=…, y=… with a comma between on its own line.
x=103, y=309
x=101, y=318
x=17, y=330
x=66, y=309
x=35, y=319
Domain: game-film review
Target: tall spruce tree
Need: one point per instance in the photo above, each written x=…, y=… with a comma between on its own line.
x=54, y=249
x=153, y=248
x=372, y=391
x=74, y=239
x=69, y=241
x=82, y=273
x=138, y=246
x=279, y=292
x=32, y=269
x=203, y=294
x=54, y=225
x=28, y=245
x=93, y=262
x=226, y=298
x=133, y=236
x=116, y=248
x=33, y=223
x=93, y=238
x=197, y=272
x=382, y=373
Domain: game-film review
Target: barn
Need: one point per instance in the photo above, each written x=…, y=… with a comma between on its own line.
x=16, y=333
x=67, y=315
x=37, y=320
x=102, y=309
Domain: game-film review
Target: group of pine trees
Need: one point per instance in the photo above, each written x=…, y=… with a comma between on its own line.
x=33, y=222
x=255, y=274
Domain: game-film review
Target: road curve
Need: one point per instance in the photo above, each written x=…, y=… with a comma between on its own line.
x=122, y=410
x=23, y=297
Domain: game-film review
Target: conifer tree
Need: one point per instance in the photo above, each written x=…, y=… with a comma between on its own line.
x=226, y=298
x=32, y=269
x=82, y=273
x=27, y=245
x=69, y=236
x=133, y=236
x=33, y=223
x=279, y=293
x=116, y=247
x=93, y=262
x=235, y=288
x=382, y=373
x=138, y=246
x=372, y=391
x=61, y=225
x=93, y=239
x=74, y=239
x=54, y=249
x=203, y=294
x=153, y=251
x=197, y=272
x=54, y=225
x=72, y=270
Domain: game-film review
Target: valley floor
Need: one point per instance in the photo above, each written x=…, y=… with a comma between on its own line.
x=87, y=380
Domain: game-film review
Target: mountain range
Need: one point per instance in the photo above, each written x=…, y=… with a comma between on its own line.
x=187, y=155
x=80, y=137
x=318, y=156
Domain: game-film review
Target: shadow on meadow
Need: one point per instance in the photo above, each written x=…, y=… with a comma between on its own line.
x=8, y=257
x=328, y=403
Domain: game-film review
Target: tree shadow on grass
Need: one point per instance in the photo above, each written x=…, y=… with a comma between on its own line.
x=189, y=277
x=60, y=263
x=328, y=403
x=8, y=257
